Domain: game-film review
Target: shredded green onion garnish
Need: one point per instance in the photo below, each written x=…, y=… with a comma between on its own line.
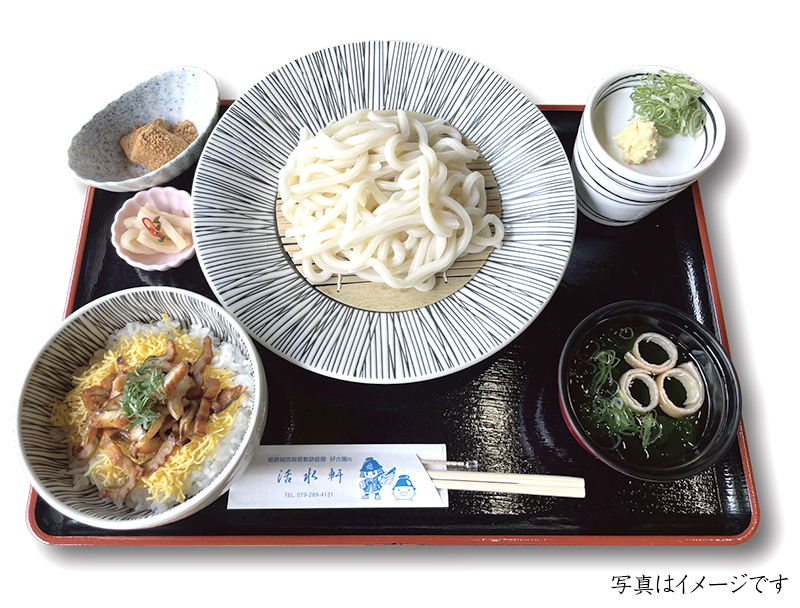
x=144, y=386
x=608, y=405
x=626, y=333
x=670, y=101
x=603, y=384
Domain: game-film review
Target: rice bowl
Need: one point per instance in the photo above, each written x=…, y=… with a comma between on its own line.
x=46, y=457
x=212, y=451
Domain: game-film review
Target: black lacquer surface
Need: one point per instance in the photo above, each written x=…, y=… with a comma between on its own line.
x=502, y=412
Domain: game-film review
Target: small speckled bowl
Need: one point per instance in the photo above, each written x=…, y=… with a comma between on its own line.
x=166, y=199
x=95, y=156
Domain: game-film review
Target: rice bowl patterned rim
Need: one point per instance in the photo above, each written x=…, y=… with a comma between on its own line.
x=239, y=250
x=70, y=347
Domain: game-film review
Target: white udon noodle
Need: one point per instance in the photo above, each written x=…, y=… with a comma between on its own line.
x=385, y=196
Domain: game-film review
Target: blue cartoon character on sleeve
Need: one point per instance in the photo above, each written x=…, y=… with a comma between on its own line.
x=404, y=489
x=373, y=478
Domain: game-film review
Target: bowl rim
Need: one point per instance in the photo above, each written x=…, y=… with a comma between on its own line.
x=131, y=184
x=149, y=519
x=710, y=343
x=174, y=260
x=687, y=177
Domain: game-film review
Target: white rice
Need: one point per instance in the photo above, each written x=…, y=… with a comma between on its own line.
x=226, y=357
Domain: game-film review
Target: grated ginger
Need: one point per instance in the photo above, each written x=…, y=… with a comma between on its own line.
x=638, y=141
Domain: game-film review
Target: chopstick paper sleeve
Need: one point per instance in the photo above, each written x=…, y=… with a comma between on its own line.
x=374, y=476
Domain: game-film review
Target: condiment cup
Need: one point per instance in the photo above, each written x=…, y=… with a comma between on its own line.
x=167, y=199
x=95, y=155
x=719, y=419
x=615, y=193
x=43, y=453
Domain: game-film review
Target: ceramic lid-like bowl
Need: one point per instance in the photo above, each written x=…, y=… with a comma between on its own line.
x=166, y=199
x=680, y=160
x=95, y=156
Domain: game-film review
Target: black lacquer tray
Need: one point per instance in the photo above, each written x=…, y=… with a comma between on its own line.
x=502, y=412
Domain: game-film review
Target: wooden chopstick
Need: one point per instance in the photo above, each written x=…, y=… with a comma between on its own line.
x=478, y=481
x=468, y=465
x=518, y=488
x=558, y=480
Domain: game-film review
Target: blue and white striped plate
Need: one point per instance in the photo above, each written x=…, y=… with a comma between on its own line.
x=243, y=258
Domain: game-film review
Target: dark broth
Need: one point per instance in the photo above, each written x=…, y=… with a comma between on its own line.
x=678, y=437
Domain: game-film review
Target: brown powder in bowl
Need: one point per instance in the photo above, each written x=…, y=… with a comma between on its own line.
x=185, y=130
x=153, y=145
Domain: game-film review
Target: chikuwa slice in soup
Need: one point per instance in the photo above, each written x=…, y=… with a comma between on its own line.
x=637, y=394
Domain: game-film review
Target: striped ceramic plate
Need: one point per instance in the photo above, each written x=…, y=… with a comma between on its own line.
x=244, y=259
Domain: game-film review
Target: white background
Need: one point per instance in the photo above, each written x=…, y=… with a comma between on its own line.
x=62, y=63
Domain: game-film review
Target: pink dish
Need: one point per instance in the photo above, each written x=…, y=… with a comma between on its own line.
x=166, y=199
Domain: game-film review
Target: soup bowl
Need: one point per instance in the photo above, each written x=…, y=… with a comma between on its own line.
x=608, y=428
